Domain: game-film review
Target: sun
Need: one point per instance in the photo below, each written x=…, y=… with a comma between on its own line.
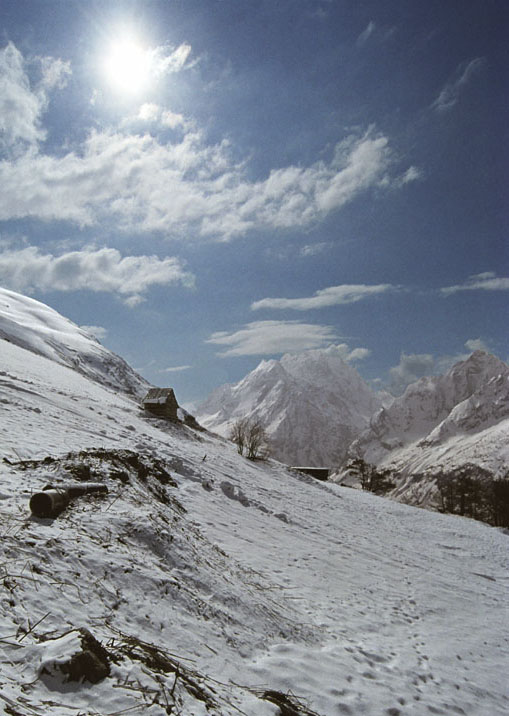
x=127, y=65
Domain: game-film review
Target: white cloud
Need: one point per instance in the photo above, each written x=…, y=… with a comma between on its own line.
x=20, y=108
x=173, y=119
x=487, y=281
x=180, y=188
x=411, y=367
x=332, y=296
x=90, y=270
x=450, y=93
x=476, y=344
x=55, y=73
x=349, y=355
x=184, y=186
x=97, y=331
x=272, y=337
x=150, y=113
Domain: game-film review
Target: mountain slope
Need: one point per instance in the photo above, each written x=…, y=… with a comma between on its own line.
x=439, y=424
x=216, y=585
x=38, y=328
x=312, y=406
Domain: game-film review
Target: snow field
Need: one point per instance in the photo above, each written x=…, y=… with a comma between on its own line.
x=267, y=580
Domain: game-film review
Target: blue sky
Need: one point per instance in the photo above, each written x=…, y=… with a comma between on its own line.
x=207, y=183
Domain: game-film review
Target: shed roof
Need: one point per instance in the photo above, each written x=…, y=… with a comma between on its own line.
x=159, y=396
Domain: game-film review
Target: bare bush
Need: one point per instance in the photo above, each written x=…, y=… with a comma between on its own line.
x=238, y=434
x=250, y=436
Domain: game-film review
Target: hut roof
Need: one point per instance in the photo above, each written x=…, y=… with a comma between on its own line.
x=158, y=396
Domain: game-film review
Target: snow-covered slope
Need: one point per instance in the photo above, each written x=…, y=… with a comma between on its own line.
x=441, y=423
x=218, y=586
x=38, y=328
x=312, y=406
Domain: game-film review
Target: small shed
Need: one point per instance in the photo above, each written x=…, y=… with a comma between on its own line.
x=320, y=473
x=161, y=402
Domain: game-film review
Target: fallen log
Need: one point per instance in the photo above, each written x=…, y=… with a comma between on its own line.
x=55, y=498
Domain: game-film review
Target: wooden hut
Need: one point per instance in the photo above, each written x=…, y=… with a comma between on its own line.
x=161, y=402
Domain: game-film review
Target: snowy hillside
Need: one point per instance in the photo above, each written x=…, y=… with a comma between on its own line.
x=440, y=423
x=38, y=328
x=312, y=405
x=212, y=585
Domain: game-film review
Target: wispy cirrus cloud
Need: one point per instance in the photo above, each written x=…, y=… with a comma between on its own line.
x=180, y=187
x=272, y=338
x=451, y=91
x=366, y=33
x=331, y=296
x=175, y=369
x=487, y=281
x=105, y=269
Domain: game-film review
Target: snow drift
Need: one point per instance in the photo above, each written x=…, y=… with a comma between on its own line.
x=203, y=583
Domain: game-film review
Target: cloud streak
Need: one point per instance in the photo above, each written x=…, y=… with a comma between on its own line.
x=331, y=296
x=463, y=74
x=175, y=369
x=487, y=281
x=366, y=33
x=128, y=277
x=272, y=338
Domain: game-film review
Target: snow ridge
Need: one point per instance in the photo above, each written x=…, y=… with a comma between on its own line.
x=38, y=328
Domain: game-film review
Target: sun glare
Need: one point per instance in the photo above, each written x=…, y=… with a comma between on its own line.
x=127, y=65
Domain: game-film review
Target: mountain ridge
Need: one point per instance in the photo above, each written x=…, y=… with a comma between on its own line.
x=311, y=405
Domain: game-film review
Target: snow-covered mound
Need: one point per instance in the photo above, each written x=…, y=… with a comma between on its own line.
x=206, y=584
x=36, y=327
x=441, y=423
x=311, y=404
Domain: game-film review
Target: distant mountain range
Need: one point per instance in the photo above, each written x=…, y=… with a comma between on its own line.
x=440, y=424
x=317, y=410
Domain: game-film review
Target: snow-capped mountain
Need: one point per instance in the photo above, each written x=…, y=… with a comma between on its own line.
x=32, y=325
x=311, y=404
x=206, y=583
x=441, y=423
